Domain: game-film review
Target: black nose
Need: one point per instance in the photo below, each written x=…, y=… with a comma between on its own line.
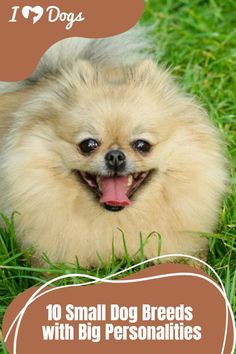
x=115, y=160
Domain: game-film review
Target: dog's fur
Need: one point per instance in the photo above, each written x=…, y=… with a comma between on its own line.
x=100, y=88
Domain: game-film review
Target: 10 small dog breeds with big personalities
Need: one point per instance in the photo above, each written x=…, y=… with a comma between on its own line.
x=100, y=144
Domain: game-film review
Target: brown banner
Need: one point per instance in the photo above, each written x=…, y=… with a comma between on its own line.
x=180, y=314
x=29, y=28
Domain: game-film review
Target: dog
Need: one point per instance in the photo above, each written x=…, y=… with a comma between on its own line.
x=102, y=154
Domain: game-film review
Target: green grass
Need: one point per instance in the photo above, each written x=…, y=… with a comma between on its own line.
x=197, y=39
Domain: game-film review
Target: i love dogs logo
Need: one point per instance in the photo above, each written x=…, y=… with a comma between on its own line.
x=45, y=23
x=54, y=14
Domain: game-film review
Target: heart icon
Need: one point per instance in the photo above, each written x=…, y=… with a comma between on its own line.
x=37, y=11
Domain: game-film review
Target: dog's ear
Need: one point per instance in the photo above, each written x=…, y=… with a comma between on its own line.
x=145, y=70
x=143, y=73
x=9, y=103
x=78, y=76
x=86, y=73
x=147, y=73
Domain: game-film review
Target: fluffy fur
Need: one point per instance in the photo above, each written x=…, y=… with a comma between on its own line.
x=102, y=89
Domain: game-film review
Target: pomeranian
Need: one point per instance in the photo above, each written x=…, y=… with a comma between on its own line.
x=101, y=152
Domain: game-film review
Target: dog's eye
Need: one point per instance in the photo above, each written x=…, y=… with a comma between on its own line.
x=141, y=146
x=88, y=146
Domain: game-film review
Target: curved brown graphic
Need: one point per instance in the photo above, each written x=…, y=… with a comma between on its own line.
x=28, y=28
x=57, y=309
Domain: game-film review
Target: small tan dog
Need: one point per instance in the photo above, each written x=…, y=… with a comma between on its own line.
x=99, y=140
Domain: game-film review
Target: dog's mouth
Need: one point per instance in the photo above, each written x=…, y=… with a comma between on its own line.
x=114, y=192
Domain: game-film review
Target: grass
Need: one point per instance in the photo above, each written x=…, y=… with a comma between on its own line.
x=197, y=39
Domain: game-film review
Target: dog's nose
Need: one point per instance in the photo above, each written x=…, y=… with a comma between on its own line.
x=115, y=160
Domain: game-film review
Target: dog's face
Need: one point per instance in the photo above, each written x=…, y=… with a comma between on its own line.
x=116, y=132
x=115, y=145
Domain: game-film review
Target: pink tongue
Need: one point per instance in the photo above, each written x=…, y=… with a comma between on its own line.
x=114, y=191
